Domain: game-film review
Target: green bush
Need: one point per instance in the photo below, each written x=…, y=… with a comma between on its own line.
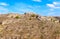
x=17, y=17
x=33, y=15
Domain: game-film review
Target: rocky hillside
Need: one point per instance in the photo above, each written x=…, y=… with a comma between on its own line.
x=29, y=26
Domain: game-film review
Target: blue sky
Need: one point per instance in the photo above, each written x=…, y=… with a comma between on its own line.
x=42, y=7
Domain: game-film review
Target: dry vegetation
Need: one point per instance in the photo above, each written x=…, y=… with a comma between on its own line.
x=29, y=26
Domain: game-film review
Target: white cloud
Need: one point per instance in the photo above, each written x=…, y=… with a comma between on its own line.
x=54, y=5
x=3, y=10
x=54, y=8
x=3, y=4
x=51, y=5
x=37, y=0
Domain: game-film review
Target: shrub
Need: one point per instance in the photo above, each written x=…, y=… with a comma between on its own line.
x=37, y=16
x=17, y=17
x=33, y=15
x=25, y=13
x=29, y=18
x=11, y=16
x=41, y=36
x=0, y=22
x=57, y=32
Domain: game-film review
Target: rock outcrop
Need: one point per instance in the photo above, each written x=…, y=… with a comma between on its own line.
x=29, y=26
